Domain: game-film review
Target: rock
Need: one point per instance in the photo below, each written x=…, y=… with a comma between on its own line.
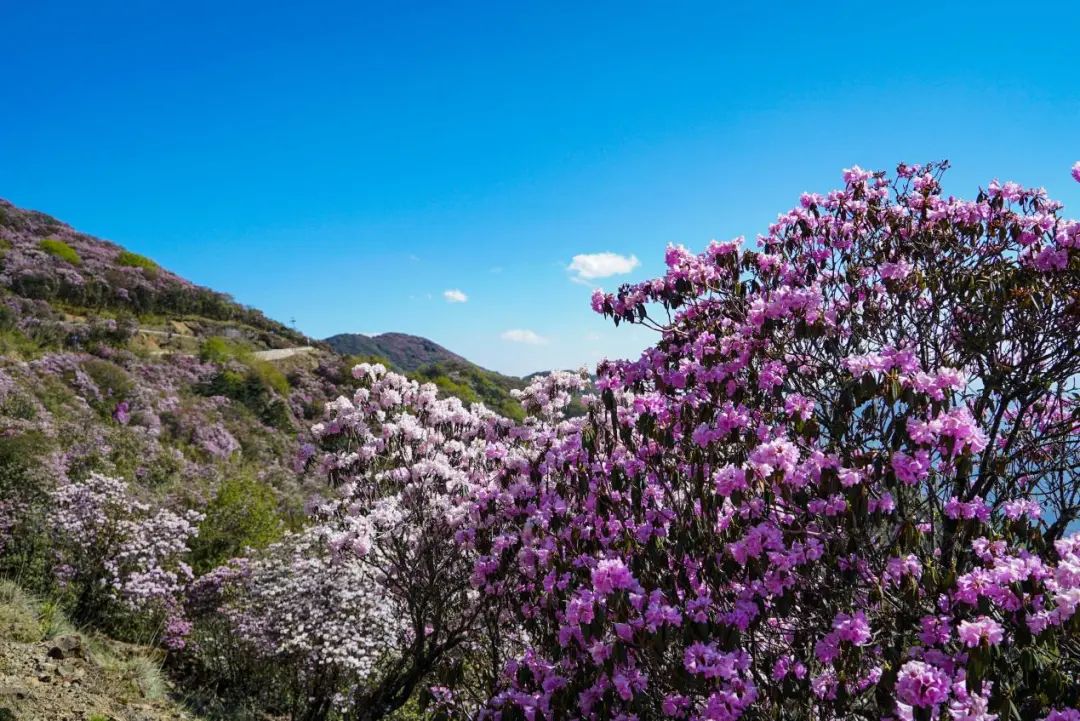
x=14, y=689
x=67, y=647
x=71, y=670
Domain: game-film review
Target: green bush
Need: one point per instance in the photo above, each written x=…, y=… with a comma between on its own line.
x=25, y=478
x=219, y=350
x=242, y=515
x=256, y=388
x=165, y=468
x=59, y=249
x=269, y=375
x=134, y=260
x=16, y=404
x=114, y=332
x=112, y=381
x=20, y=457
x=16, y=344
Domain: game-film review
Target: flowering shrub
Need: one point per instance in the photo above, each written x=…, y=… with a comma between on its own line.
x=112, y=549
x=375, y=596
x=839, y=486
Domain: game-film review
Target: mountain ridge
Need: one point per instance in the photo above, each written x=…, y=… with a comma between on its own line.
x=405, y=351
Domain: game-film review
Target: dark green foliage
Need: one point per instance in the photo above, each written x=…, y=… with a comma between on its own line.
x=162, y=469
x=59, y=249
x=257, y=387
x=23, y=482
x=112, y=381
x=114, y=333
x=19, y=458
x=242, y=515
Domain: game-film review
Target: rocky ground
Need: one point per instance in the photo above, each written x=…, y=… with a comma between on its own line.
x=54, y=680
x=73, y=677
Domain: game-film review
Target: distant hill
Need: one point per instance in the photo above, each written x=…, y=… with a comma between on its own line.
x=427, y=361
x=406, y=352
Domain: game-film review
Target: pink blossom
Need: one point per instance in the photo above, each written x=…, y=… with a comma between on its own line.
x=921, y=685
x=611, y=575
x=983, y=628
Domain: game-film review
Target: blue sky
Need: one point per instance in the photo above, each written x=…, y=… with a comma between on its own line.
x=346, y=164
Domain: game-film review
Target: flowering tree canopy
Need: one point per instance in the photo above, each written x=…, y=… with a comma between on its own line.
x=840, y=485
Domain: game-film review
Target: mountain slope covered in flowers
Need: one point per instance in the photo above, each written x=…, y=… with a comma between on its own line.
x=113, y=368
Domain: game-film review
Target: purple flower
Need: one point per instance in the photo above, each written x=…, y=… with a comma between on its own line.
x=122, y=413
x=920, y=684
x=610, y=575
x=983, y=628
x=1064, y=714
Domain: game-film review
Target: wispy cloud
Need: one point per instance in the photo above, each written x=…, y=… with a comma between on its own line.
x=521, y=335
x=590, y=266
x=454, y=296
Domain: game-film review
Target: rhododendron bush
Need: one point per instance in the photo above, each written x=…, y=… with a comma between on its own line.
x=842, y=484
x=112, y=550
x=374, y=597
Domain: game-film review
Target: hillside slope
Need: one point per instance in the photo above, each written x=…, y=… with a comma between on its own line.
x=44, y=261
x=111, y=364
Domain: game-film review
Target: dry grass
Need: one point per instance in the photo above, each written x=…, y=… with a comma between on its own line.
x=132, y=672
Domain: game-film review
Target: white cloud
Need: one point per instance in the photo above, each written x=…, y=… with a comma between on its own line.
x=454, y=296
x=589, y=266
x=520, y=335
